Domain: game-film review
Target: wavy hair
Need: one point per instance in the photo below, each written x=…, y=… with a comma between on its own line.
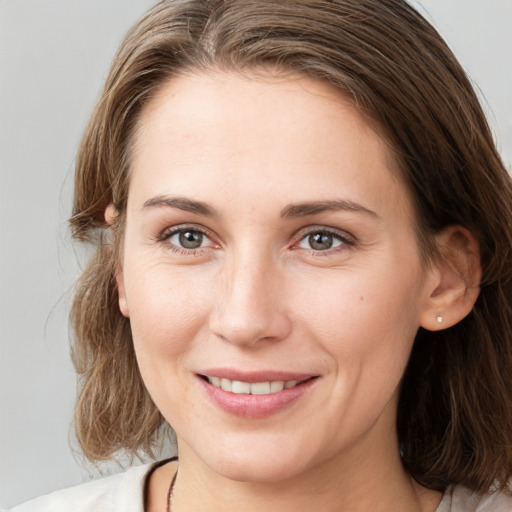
x=455, y=409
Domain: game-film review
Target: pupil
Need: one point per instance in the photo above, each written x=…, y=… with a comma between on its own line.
x=320, y=241
x=191, y=239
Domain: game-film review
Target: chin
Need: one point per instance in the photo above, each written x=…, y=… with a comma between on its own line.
x=257, y=461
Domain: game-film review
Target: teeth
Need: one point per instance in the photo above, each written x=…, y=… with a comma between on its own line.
x=254, y=388
x=260, y=388
x=240, y=387
x=276, y=386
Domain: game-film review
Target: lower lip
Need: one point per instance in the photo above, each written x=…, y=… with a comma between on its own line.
x=255, y=406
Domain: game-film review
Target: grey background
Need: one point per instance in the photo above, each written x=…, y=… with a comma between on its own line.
x=54, y=55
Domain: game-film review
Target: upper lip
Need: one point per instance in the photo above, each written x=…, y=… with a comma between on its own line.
x=255, y=376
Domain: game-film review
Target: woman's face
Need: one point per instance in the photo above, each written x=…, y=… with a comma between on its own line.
x=269, y=250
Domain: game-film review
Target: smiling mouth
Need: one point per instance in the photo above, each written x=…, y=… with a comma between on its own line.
x=252, y=388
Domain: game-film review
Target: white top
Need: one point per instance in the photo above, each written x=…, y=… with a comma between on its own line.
x=125, y=493
x=117, y=493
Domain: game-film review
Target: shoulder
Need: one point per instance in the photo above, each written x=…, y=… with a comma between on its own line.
x=461, y=499
x=123, y=492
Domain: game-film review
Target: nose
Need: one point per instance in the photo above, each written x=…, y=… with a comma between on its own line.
x=250, y=308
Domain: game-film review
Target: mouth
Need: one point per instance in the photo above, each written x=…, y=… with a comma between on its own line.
x=251, y=395
x=252, y=388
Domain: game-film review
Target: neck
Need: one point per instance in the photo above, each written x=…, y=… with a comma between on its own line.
x=349, y=482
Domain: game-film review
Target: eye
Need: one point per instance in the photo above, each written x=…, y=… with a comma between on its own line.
x=188, y=238
x=185, y=239
x=323, y=240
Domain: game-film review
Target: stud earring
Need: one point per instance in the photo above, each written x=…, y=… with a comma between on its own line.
x=439, y=319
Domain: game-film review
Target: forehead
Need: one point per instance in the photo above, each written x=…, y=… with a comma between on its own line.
x=295, y=133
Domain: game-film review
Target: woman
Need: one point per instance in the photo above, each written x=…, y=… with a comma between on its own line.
x=303, y=235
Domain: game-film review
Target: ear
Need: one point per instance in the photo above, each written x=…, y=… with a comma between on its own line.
x=110, y=217
x=454, y=279
x=110, y=214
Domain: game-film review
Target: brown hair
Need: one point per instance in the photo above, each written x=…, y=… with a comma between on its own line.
x=455, y=409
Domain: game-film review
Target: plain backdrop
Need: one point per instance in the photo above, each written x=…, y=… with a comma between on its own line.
x=54, y=55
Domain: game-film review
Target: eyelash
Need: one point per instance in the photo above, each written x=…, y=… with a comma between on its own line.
x=346, y=240
x=168, y=233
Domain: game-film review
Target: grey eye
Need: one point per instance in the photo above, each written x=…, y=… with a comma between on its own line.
x=191, y=239
x=320, y=241
x=188, y=239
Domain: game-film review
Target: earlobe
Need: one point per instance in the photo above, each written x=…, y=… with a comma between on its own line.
x=454, y=280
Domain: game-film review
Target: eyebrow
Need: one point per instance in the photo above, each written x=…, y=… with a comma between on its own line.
x=181, y=203
x=304, y=209
x=290, y=211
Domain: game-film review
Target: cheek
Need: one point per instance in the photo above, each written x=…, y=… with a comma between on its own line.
x=363, y=307
x=367, y=332
x=167, y=309
x=167, y=318
x=367, y=321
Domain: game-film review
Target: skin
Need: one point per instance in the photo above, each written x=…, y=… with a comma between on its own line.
x=257, y=296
